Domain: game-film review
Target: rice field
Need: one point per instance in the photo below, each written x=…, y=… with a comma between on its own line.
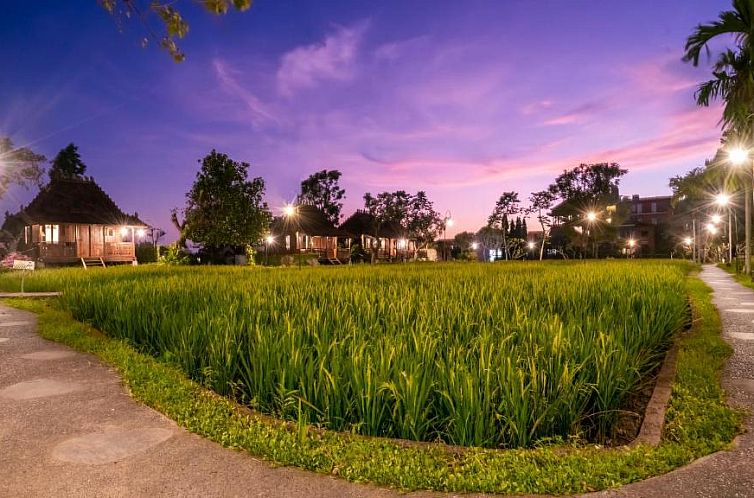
x=492, y=355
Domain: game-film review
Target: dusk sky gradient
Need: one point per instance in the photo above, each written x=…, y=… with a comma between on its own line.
x=462, y=99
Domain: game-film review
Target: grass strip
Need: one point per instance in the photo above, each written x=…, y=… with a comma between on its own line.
x=698, y=422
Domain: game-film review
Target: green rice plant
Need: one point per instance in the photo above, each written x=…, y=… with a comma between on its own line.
x=493, y=355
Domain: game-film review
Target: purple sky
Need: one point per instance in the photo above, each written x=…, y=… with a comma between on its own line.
x=462, y=99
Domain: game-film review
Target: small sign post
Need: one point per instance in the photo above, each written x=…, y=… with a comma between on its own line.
x=24, y=266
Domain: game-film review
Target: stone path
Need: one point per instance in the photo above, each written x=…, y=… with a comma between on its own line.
x=68, y=428
x=727, y=473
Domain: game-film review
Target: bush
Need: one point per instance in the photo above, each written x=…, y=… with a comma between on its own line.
x=146, y=253
x=175, y=255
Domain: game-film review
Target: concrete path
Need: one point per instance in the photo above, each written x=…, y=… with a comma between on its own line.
x=727, y=473
x=68, y=428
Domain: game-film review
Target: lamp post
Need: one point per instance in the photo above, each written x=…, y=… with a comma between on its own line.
x=738, y=157
x=687, y=241
x=723, y=200
x=591, y=217
x=290, y=211
x=269, y=240
x=448, y=222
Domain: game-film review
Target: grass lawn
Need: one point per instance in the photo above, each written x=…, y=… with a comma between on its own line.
x=528, y=357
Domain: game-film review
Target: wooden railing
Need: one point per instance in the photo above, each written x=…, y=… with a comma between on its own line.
x=49, y=250
x=118, y=249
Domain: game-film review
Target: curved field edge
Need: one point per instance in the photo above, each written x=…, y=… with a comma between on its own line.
x=698, y=422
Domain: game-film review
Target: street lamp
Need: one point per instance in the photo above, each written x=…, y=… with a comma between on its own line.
x=723, y=200
x=269, y=240
x=290, y=211
x=591, y=217
x=739, y=156
x=448, y=222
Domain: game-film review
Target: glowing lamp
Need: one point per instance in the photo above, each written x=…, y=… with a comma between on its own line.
x=631, y=242
x=531, y=245
x=123, y=231
x=141, y=232
x=474, y=246
x=716, y=218
x=737, y=156
x=289, y=210
x=591, y=216
x=722, y=199
x=270, y=239
x=687, y=241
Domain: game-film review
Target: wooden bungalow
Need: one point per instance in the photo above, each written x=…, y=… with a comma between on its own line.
x=73, y=220
x=307, y=231
x=387, y=239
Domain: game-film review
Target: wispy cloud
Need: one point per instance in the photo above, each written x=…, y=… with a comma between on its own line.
x=332, y=59
x=578, y=114
x=259, y=113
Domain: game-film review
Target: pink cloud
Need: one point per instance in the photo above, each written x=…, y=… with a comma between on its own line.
x=332, y=59
x=688, y=136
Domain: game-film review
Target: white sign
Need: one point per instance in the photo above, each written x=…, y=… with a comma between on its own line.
x=20, y=264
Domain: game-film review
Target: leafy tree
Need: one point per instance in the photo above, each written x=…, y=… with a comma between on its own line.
x=174, y=25
x=67, y=164
x=19, y=166
x=224, y=207
x=588, y=187
x=415, y=214
x=462, y=246
x=422, y=221
x=733, y=71
x=322, y=191
x=540, y=204
x=490, y=239
x=505, y=207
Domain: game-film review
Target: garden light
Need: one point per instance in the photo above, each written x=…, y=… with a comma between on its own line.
x=123, y=231
x=631, y=243
x=688, y=241
x=289, y=210
x=474, y=246
x=531, y=245
x=591, y=216
x=141, y=232
x=711, y=228
x=722, y=199
x=716, y=218
x=270, y=239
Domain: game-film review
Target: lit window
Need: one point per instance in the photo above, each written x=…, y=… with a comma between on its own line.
x=51, y=234
x=288, y=242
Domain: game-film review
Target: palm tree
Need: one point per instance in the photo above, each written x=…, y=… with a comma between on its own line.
x=733, y=80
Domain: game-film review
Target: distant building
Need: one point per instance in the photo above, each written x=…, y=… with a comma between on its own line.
x=647, y=224
x=73, y=219
x=307, y=231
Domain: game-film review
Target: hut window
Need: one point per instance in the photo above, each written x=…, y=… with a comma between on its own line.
x=27, y=235
x=51, y=234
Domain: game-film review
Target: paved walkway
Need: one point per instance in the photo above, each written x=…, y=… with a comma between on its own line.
x=68, y=428
x=727, y=473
